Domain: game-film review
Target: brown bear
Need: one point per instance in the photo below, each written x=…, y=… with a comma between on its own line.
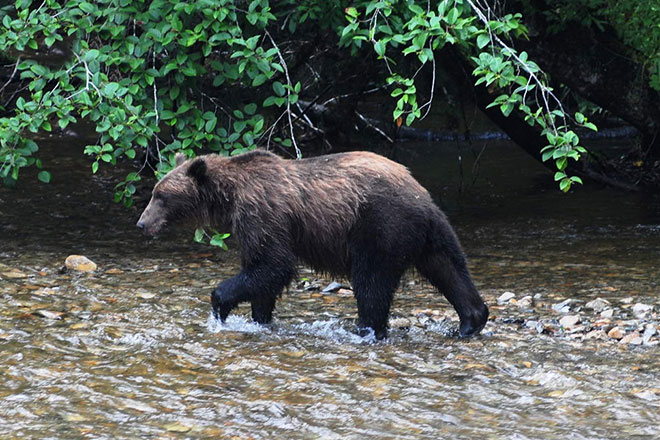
x=355, y=214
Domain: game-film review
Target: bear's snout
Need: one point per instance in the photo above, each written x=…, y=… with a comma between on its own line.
x=140, y=225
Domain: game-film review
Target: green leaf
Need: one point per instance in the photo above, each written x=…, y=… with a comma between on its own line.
x=44, y=176
x=199, y=235
x=483, y=40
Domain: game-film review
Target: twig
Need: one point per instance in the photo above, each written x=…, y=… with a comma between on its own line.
x=288, y=94
x=11, y=77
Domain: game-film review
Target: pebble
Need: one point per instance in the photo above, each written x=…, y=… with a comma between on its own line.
x=13, y=274
x=344, y=292
x=569, y=321
x=564, y=306
x=649, y=332
x=608, y=313
x=400, y=323
x=641, y=311
x=505, y=297
x=632, y=339
x=332, y=287
x=79, y=263
x=526, y=302
x=597, y=305
x=615, y=333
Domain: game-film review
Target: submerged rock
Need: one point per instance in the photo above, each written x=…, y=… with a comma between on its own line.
x=79, y=263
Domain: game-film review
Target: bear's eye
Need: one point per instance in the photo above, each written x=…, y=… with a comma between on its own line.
x=160, y=196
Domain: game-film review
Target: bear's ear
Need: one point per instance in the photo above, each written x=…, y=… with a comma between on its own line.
x=179, y=159
x=197, y=170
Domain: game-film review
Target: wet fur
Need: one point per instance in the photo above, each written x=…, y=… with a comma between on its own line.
x=357, y=215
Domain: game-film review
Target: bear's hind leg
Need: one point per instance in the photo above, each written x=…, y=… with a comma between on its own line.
x=374, y=284
x=263, y=307
x=449, y=274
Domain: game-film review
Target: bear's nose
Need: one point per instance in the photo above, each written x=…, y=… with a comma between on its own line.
x=140, y=225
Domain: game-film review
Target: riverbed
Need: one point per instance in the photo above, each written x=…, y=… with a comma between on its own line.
x=131, y=350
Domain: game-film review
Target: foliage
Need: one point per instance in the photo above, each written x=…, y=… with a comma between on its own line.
x=400, y=29
x=636, y=22
x=167, y=76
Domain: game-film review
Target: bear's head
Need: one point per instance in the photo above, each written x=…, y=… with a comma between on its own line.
x=181, y=195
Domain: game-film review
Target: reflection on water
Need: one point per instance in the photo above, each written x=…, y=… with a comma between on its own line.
x=131, y=351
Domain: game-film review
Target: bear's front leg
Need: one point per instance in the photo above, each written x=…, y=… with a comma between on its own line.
x=259, y=283
x=226, y=296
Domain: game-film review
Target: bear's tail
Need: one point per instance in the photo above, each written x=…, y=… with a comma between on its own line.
x=443, y=263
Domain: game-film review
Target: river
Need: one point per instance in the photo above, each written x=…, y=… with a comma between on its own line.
x=130, y=351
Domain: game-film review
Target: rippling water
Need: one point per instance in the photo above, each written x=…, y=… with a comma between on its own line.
x=131, y=351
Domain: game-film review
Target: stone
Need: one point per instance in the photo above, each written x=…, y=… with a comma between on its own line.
x=615, y=333
x=597, y=305
x=505, y=297
x=569, y=321
x=13, y=274
x=526, y=302
x=400, y=323
x=595, y=334
x=332, y=287
x=79, y=263
x=649, y=331
x=641, y=311
x=632, y=339
x=608, y=313
x=564, y=306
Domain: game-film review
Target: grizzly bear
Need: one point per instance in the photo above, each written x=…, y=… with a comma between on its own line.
x=357, y=215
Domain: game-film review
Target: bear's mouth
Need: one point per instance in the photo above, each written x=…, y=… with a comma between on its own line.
x=153, y=230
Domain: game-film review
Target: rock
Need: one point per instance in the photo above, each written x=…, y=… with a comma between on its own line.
x=628, y=300
x=595, y=334
x=649, y=331
x=641, y=311
x=564, y=306
x=332, y=287
x=607, y=313
x=400, y=323
x=632, y=339
x=48, y=314
x=79, y=263
x=345, y=292
x=144, y=294
x=615, y=333
x=597, y=305
x=114, y=271
x=569, y=321
x=505, y=297
x=13, y=274
x=526, y=302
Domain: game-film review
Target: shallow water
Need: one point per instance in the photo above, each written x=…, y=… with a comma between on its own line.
x=131, y=351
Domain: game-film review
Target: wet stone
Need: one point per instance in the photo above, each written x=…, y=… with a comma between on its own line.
x=597, y=305
x=649, y=332
x=615, y=333
x=505, y=297
x=564, y=306
x=79, y=263
x=608, y=313
x=641, y=311
x=13, y=274
x=526, y=302
x=632, y=339
x=569, y=321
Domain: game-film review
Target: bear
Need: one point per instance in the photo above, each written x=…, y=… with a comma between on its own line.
x=357, y=215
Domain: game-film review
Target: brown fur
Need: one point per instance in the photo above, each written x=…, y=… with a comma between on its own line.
x=354, y=214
